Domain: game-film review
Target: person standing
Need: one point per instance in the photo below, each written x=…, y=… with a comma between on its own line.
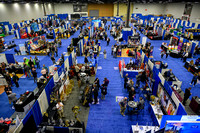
x=53, y=59
x=104, y=53
x=59, y=107
x=167, y=53
x=56, y=51
x=103, y=91
x=27, y=71
x=52, y=50
x=31, y=62
x=95, y=91
x=8, y=78
x=185, y=57
x=37, y=62
x=34, y=75
x=141, y=104
x=187, y=95
x=125, y=80
x=48, y=51
x=105, y=36
x=44, y=72
x=96, y=81
x=194, y=79
x=91, y=52
x=123, y=104
x=108, y=41
x=114, y=52
x=132, y=93
x=86, y=60
x=162, y=53
x=63, y=57
x=77, y=70
x=47, y=71
x=11, y=96
x=15, y=79
x=106, y=82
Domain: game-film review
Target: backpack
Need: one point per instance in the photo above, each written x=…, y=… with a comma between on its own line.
x=104, y=90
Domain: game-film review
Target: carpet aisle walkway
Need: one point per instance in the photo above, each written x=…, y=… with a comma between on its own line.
x=105, y=117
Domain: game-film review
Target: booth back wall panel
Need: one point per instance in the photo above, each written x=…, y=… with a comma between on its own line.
x=104, y=9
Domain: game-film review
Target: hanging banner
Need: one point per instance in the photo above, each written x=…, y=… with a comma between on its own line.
x=22, y=49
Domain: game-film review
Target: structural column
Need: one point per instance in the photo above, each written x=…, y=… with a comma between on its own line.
x=128, y=13
x=118, y=8
x=44, y=9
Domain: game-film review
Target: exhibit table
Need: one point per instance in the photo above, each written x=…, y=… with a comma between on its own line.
x=156, y=113
x=195, y=104
x=193, y=68
x=175, y=54
x=18, y=70
x=132, y=73
x=132, y=105
x=25, y=99
x=144, y=129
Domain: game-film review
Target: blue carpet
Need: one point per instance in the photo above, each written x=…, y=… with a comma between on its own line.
x=176, y=65
x=28, y=83
x=105, y=117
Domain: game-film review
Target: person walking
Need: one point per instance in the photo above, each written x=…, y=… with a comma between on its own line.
x=194, y=79
x=187, y=95
x=104, y=53
x=123, y=104
x=53, y=59
x=15, y=79
x=108, y=41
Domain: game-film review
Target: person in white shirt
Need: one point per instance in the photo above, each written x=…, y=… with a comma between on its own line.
x=83, y=68
x=59, y=107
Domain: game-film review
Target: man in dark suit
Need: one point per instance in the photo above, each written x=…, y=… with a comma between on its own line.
x=86, y=60
x=187, y=95
x=132, y=93
x=125, y=80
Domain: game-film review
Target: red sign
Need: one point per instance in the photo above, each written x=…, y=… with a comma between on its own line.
x=145, y=9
